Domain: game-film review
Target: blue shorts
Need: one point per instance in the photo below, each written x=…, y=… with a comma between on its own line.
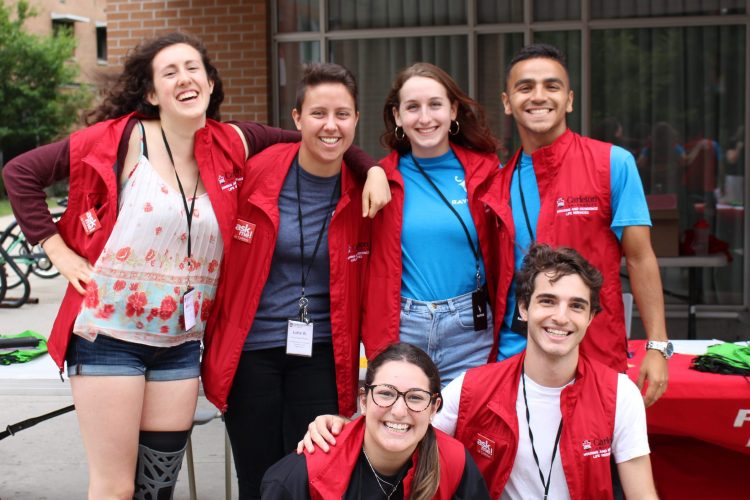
x=110, y=356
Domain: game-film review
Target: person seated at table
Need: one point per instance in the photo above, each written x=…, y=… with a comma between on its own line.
x=390, y=451
x=545, y=421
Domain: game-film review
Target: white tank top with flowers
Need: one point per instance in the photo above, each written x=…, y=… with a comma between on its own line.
x=135, y=293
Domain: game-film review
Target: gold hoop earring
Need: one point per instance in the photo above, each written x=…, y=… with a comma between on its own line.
x=396, y=133
x=451, y=131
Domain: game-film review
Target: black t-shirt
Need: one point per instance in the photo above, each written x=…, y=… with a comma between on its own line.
x=287, y=480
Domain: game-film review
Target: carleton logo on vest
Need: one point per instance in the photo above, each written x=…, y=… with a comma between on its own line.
x=358, y=251
x=597, y=447
x=485, y=446
x=577, y=205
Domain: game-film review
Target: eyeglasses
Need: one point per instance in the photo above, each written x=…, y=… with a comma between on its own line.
x=385, y=396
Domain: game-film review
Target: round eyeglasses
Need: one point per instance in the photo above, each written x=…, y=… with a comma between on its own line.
x=385, y=396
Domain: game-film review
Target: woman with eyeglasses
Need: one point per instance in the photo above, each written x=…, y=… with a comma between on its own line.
x=391, y=451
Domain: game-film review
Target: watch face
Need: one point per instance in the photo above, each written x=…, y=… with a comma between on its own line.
x=669, y=350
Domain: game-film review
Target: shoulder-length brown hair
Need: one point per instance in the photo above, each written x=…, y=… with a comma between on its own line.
x=473, y=130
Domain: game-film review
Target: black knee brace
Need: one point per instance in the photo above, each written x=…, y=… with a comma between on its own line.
x=159, y=460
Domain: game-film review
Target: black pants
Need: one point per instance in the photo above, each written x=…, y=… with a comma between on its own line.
x=273, y=398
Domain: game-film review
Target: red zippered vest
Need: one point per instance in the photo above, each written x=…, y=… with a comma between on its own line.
x=384, y=286
x=329, y=473
x=94, y=185
x=487, y=425
x=573, y=175
x=246, y=273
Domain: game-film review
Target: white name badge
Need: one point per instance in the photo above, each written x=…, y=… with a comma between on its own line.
x=299, y=338
x=188, y=309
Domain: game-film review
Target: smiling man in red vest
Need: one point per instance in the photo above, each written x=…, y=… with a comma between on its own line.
x=544, y=423
x=569, y=190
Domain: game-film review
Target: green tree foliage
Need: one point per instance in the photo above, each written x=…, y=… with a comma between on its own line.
x=39, y=100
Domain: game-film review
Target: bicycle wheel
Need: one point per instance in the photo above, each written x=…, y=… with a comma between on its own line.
x=3, y=282
x=15, y=245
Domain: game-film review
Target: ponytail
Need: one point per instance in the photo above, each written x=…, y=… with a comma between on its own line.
x=427, y=475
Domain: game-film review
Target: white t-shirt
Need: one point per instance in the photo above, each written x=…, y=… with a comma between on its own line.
x=630, y=438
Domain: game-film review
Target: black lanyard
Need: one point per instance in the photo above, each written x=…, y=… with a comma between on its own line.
x=474, y=249
x=304, y=275
x=188, y=212
x=545, y=485
x=523, y=201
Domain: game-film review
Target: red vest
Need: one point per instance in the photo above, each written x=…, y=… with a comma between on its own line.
x=384, y=286
x=94, y=185
x=329, y=473
x=246, y=273
x=487, y=424
x=573, y=175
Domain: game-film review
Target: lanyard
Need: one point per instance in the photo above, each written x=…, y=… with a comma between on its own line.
x=304, y=275
x=523, y=201
x=545, y=485
x=188, y=212
x=463, y=224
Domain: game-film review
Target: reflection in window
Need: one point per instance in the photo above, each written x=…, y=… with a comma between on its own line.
x=298, y=15
x=346, y=14
x=494, y=54
x=291, y=58
x=557, y=10
x=375, y=63
x=607, y=9
x=492, y=11
x=675, y=97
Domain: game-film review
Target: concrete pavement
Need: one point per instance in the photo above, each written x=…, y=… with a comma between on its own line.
x=48, y=461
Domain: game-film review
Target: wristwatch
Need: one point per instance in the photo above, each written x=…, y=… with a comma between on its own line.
x=665, y=348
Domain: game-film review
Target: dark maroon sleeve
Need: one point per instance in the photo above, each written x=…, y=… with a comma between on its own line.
x=260, y=136
x=25, y=178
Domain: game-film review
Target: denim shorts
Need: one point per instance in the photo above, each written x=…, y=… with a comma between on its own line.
x=110, y=356
x=444, y=329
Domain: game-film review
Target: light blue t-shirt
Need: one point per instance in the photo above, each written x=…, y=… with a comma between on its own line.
x=438, y=262
x=629, y=208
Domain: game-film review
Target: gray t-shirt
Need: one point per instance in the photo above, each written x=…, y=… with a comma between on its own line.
x=280, y=298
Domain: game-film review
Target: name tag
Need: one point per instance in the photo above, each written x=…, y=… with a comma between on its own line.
x=188, y=309
x=299, y=338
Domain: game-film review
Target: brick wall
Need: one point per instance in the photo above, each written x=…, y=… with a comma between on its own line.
x=234, y=31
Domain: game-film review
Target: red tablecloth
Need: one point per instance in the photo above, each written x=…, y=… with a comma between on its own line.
x=699, y=431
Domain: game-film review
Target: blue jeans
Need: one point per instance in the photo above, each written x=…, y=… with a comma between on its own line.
x=110, y=356
x=444, y=329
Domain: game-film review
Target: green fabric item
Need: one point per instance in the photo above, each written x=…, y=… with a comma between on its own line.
x=726, y=358
x=23, y=355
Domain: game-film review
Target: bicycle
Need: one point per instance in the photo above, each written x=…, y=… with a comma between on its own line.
x=29, y=259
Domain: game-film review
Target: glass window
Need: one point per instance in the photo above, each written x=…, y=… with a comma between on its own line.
x=375, y=63
x=557, y=10
x=606, y=9
x=298, y=15
x=493, y=55
x=346, y=14
x=569, y=42
x=493, y=12
x=675, y=97
x=101, y=43
x=291, y=58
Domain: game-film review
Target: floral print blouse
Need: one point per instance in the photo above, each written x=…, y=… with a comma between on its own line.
x=138, y=282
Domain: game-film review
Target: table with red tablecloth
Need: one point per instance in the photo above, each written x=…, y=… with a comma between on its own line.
x=699, y=431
